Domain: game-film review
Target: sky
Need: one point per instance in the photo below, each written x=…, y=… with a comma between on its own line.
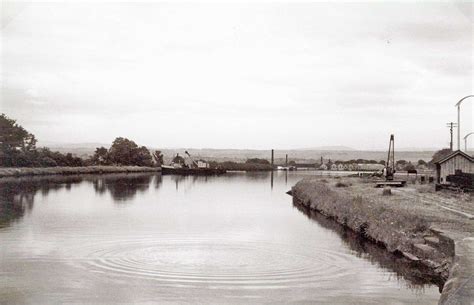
x=238, y=74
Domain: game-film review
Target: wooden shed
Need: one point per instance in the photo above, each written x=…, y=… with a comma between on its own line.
x=456, y=160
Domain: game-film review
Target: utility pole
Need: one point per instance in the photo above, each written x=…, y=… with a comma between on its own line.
x=451, y=125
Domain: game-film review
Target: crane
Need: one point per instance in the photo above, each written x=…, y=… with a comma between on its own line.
x=389, y=170
x=390, y=165
x=192, y=160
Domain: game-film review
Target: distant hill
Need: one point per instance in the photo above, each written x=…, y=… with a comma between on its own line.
x=332, y=148
x=240, y=155
x=82, y=150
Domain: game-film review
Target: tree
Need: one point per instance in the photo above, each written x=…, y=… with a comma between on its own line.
x=15, y=137
x=121, y=151
x=257, y=161
x=126, y=152
x=440, y=154
x=101, y=156
x=422, y=162
x=409, y=167
x=400, y=164
x=17, y=146
x=142, y=157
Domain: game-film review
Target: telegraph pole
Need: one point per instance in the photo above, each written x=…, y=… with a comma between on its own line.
x=451, y=125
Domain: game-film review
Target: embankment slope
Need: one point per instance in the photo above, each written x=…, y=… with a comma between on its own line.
x=412, y=222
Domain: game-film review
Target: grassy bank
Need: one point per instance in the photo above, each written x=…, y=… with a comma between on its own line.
x=39, y=171
x=414, y=222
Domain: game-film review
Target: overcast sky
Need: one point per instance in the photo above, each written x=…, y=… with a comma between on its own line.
x=240, y=75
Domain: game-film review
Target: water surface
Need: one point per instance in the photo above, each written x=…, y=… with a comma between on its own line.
x=143, y=238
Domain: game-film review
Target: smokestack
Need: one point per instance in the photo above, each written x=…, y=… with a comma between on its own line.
x=272, y=158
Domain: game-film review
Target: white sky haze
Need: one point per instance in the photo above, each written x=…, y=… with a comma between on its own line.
x=238, y=75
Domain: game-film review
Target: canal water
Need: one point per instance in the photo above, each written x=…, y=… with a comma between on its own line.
x=151, y=239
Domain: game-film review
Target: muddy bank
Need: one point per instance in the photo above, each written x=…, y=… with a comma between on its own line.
x=41, y=171
x=409, y=223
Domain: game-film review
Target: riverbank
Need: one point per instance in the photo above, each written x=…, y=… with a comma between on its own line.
x=42, y=171
x=432, y=229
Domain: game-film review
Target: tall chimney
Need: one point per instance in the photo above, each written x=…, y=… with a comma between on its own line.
x=272, y=159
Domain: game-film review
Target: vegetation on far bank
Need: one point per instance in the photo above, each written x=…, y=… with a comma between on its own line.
x=18, y=149
x=251, y=165
x=68, y=170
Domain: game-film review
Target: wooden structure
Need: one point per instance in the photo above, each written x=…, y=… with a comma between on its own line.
x=456, y=161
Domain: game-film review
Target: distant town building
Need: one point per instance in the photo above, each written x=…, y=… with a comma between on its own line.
x=448, y=165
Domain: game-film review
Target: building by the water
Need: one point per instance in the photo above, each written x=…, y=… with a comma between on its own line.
x=455, y=161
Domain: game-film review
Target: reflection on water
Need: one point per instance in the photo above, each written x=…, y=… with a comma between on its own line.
x=230, y=239
x=123, y=188
x=17, y=195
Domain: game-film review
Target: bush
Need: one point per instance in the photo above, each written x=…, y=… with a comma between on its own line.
x=387, y=191
x=248, y=167
x=257, y=161
x=47, y=162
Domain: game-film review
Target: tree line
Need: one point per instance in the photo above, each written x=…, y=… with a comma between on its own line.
x=18, y=149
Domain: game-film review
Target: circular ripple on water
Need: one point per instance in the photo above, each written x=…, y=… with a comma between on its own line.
x=214, y=262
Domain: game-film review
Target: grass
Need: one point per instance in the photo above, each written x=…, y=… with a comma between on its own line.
x=37, y=171
x=380, y=219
